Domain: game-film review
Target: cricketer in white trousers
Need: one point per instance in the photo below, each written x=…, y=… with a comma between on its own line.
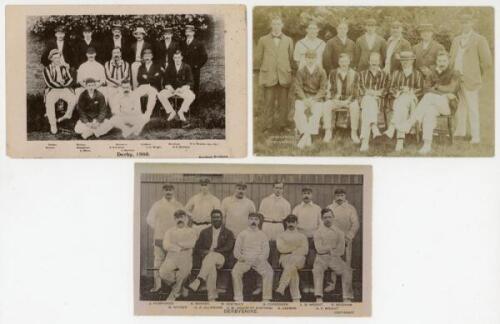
x=185, y=93
x=428, y=109
x=86, y=131
x=369, y=114
x=127, y=115
x=151, y=93
x=179, y=243
x=293, y=247
x=53, y=96
x=208, y=272
x=252, y=245
x=331, y=105
x=468, y=105
x=403, y=105
x=330, y=246
x=308, y=125
x=134, y=69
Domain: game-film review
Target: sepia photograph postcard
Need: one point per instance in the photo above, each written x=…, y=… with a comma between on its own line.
x=373, y=81
x=252, y=240
x=159, y=81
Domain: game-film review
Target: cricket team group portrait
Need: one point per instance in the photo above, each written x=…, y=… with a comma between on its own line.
x=385, y=81
x=235, y=237
x=125, y=77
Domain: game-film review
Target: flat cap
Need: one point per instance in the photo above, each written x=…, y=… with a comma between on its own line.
x=91, y=50
x=53, y=52
x=339, y=191
x=168, y=186
x=139, y=30
x=190, y=27
x=241, y=184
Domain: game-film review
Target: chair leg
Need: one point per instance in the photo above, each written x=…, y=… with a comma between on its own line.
x=450, y=129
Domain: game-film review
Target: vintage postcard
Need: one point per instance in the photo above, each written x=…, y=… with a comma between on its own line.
x=252, y=240
x=126, y=81
x=373, y=81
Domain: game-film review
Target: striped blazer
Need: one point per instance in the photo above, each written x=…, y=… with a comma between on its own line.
x=379, y=81
x=415, y=82
x=116, y=73
x=52, y=80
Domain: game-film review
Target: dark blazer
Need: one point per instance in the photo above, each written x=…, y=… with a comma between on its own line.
x=334, y=47
x=108, y=44
x=92, y=108
x=225, y=244
x=67, y=53
x=152, y=77
x=362, y=52
x=161, y=51
x=133, y=48
x=194, y=54
x=402, y=45
x=427, y=57
x=80, y=51
x=178, y=79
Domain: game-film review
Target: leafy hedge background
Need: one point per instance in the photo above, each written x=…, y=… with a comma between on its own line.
x=445, y=20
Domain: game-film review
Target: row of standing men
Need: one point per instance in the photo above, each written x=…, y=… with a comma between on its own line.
x=206, y=228
x=276, y=55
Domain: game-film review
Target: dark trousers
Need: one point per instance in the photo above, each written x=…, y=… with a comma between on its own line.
x=275, y=111
x=196, y=80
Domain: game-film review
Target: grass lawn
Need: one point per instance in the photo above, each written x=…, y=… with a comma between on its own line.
x=284, y=144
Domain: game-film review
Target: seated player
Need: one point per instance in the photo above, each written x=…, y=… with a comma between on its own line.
x=93, y=111
x=91, y=69
x=406, y=88
x=310, y=91
x=293, y=248
x=126, y=109
x=58, y=80
x=444, y=84
x=178, y=242
x=343, y=92
x=251, y=251
x=178, y=81
x=330, y=246
x=214, y=245
x=373, y=84
x=117, y=71
x=149, y=81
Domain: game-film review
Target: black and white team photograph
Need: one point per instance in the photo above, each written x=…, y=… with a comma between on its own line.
x=225, y=237
x=131, y=77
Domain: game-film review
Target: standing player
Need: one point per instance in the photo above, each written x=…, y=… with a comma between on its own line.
x=201, y=205
x=236, y=209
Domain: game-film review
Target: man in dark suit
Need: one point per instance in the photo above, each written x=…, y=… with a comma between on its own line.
x=81, y=46
x=336, y=46
x=368, y=43
x=214, y=247
x=60, y=44
x=395, y=44
x=116, y=40
x=166, y=48
x=149, y=81
x=136, y=51
x=177, y=81
x=195, y=55
x=274, y=58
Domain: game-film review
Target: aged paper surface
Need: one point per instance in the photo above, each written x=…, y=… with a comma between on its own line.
x=381, y=81
x=213, y=125
x=166, y=270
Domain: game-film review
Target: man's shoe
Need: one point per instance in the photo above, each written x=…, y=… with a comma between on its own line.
x=426, y=149
x=347, y=300
x=364, y=146
x=399, y=146
x=181, y=116
x=375, y=131
x=302, y=142
x=354, y=137
x=53, y=129
x=390, y=132
x=195, y=285
x=155, y=289
x=319, y=299
x=330, y=287
x=257, y=291
x=328, y=135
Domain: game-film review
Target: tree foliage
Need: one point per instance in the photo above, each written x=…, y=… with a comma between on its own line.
x=44, y=26
x=445, y=20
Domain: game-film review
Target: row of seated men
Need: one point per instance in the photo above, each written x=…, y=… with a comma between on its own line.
x=99, y=86
x=358, y=75
x=233, y=235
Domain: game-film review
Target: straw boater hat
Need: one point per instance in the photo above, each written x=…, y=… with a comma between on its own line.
x=168, y=30
x=406, y=56
x=139, y=30
x=190, y=27
x=53, y=52
x=116, y=25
